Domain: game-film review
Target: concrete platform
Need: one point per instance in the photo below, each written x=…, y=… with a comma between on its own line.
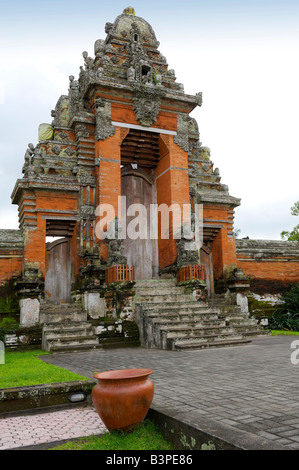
x=242, y=397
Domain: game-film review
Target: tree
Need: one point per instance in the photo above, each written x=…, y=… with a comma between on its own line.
x=293, y=235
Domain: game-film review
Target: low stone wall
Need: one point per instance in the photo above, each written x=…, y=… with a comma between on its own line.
x=189, y=433
x=22, y=338
x=40, y=396
x=118, y=333
x=271, y=265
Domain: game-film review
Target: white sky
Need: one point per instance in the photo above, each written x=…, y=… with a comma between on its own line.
x=242, y=55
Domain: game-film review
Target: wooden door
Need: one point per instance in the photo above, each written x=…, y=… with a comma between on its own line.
x=206, y=259
x=140, y=252
x=58, y=271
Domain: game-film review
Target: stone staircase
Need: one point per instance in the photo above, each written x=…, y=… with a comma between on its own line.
x=66, y=329
x=170, y=319
x=242, y=322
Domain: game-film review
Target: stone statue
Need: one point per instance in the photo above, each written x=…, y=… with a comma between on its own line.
x=29, y=155
x=131, y=74
x=89, y=62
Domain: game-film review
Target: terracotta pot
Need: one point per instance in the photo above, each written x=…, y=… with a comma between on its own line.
x=122, y=397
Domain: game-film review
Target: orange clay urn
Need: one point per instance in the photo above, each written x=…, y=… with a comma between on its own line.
x=122, y=398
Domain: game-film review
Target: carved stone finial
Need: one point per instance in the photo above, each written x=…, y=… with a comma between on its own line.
x=129, y=11
x=89, y=62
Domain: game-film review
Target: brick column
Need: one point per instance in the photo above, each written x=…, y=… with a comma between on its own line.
x=108, y=153
x=172, y=184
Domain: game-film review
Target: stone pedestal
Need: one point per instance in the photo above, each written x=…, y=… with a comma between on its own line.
x=238, y=284
x=29, y=312
x=29, y=290
x=94, y=305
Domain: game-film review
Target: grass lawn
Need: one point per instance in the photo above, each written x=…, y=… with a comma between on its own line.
x=145, y=437
x=284, y=332
x=25, y=368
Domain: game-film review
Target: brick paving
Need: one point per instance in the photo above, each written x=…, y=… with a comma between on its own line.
x=34, y=429
x=251, y=389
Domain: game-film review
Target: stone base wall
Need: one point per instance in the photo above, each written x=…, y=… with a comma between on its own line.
x=272, y=267
x=21, y=338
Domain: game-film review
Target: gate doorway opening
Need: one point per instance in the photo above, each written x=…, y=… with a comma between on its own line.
x=141, y=252
x=58, y=277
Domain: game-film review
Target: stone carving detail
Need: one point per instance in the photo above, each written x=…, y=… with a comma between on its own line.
x=198, y=97
x=104, y=127
x=89, y=62
x=56, y=149
x=131, y=74
x=61, y=112
x=73, y=96
x=108, y=28
x=99, y=48
x=85, y=178
x=182, y=137
x=69, y=151
x=186, y=250
x=87, y=212
x=147, y=102
x=81, y=131
x=115, y=246
x=32, y=157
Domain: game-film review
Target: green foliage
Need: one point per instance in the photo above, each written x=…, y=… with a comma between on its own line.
x=289, y=318
x=25, y=368
x=9, y=323
x=291, y=300
x=284, y=333
x=293, y=235
x=144, y=437
x=295, y=208
x=284, y=321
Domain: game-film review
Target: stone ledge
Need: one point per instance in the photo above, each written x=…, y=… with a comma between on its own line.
x=40, y=396
x=188, y=431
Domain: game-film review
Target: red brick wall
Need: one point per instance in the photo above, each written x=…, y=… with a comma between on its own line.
x=10, y=265
x=272, y=266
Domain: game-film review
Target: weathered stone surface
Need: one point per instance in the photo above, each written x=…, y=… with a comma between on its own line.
x=29, y=312
x=38, y=396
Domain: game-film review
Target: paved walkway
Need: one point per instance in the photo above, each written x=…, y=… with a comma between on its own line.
x=40, y=429
x=252, y=391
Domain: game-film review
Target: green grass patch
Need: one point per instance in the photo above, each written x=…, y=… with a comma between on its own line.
x=284, y=332
x=25, y=368
x=145, y=437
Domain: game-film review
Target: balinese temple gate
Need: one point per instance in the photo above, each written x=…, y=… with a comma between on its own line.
x=123, y=135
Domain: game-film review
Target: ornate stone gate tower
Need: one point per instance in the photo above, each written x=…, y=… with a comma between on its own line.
x=124, y=129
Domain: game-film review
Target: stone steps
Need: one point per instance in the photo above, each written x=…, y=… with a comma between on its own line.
x=154, y=298
x=172, y=319
x=191, y=345
x=65, y=328
x=59, y=313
